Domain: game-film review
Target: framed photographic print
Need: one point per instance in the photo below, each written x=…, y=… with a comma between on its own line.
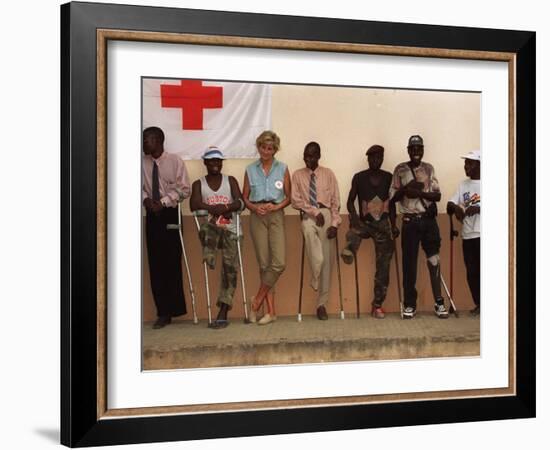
x=416, y=105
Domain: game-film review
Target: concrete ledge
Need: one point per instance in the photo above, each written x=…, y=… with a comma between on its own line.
x=184, y=345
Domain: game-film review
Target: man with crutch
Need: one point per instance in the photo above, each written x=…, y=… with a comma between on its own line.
x=164, y=178
x=416, y=189
x=220, y=196
x=372, y=188
x=465, y=205
x=315, y=193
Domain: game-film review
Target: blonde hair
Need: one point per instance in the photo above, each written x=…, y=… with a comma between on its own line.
x=268, y=136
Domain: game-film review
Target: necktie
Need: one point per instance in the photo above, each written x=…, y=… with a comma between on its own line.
x=313, y=191
x=156, y=183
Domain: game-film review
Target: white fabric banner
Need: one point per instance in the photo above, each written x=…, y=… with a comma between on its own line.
x=196, y=114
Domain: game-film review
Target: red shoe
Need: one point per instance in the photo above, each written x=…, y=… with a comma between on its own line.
x=377, y=312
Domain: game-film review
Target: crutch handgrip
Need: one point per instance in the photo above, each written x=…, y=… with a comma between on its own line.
x=181, y=195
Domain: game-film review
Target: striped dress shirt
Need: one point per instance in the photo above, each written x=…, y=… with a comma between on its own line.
x=328, y=193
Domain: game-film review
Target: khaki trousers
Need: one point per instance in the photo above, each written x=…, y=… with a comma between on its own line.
x=268, y=236
x=319, y=254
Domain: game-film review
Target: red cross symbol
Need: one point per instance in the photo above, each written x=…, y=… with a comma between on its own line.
x=192, y=97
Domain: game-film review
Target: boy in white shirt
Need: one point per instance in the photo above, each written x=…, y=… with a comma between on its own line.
x=465, y=204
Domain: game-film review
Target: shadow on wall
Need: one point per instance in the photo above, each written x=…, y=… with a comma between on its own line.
x=287, y=288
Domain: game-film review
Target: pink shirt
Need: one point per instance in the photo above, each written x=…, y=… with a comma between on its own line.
x=173, y=178
x=327, y=192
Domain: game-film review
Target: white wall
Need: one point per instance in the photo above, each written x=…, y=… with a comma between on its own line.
x=30, y=243
x=346, y=121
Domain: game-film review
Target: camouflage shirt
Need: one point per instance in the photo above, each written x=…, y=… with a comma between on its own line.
x=402, y=175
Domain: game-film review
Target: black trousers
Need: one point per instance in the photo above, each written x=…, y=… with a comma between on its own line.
x=470, y=248
x=164, y=253
x=416, y=231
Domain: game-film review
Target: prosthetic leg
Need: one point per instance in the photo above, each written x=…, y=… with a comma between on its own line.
x=434, y=269
x=179, y=226
x=436, y=279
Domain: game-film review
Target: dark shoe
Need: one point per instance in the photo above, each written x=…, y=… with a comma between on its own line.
x=409, y=312
x=476, y=311
x=322, y=313
x=162, y=322
x=219, y=323
x=347, y=256
x=377, y=312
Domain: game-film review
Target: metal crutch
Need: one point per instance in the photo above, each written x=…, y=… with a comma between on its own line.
x=453, y=234
x=196, y=215
x=454, y=310
x=398, y=277
x=246, y=319
x=339, y=278
x=394, y=239
x=356, y=284
x=301, y=280
x=179, y=226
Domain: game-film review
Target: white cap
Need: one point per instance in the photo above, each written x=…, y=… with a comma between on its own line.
x=474, y=155
x=213, y=152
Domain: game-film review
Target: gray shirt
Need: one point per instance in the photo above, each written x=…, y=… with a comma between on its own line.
x=222, y=196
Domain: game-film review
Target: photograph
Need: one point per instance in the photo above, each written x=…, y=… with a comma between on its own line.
x=273, y=223
x=257, y=225
x=257, y=198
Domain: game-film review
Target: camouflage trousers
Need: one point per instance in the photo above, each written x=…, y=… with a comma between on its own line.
x=380, y=233
x=214, y=238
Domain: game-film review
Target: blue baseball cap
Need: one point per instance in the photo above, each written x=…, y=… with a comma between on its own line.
x=212, y=152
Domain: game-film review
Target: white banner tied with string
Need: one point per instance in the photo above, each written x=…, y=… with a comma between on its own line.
x=196, y=114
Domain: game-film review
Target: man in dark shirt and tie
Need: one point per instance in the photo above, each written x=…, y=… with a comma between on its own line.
x=165, y=183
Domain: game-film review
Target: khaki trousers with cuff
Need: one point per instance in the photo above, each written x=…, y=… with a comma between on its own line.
x=319, y=254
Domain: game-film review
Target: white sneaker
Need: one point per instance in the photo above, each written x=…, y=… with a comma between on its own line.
x=441, y=311
x=409, y=312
